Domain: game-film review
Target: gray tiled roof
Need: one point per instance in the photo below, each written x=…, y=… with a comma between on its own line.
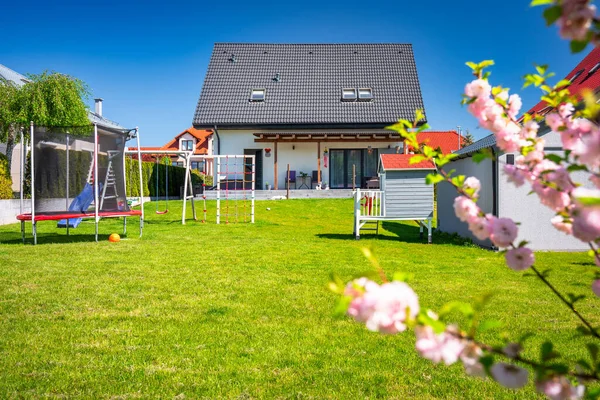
x=311, y=80
x=18, y=79
x=488, y=141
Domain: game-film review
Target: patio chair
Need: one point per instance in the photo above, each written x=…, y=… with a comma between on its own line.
x=292, y=178
x=315, y=179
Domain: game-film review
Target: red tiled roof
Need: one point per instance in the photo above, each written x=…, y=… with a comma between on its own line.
x=143, y=148
x=447, y=141
x=585, y=79
x=201, y=136
x=402, y=161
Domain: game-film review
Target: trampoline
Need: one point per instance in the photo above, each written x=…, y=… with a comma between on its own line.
x=77, y=173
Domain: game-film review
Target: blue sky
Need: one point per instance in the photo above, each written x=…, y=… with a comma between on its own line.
x=148, y=59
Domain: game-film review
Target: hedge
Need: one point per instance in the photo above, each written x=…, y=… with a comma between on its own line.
x=5, y=179
x=149, y=171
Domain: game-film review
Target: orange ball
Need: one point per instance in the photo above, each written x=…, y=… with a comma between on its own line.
x=114, y=238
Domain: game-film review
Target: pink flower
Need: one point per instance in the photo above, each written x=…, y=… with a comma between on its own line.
x=559, y=388
x=562, y=224
x=555, y=122
x=595, y=179
x=529, y=130
x=386, y=308
x=514, y=105
x=360, y=309
x=481, y=226
x=566, y=110
x=588, y=149
x=576, y=19
x=465, y=208
x=473, y=184
x=550, y=197
x=438, y=347
x=503, y=232
x=479, y=88
x=586, y=223
x=514, y=174
x=509, y=376
x=470, y=358
x=519, y=259
x=596, y=287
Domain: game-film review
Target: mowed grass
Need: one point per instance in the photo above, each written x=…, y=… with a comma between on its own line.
x=242, y=311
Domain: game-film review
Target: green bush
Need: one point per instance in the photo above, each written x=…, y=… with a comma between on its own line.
x=5, y=179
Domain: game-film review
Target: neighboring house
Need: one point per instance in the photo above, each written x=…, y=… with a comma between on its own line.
x=94, y=117
x=503, y=199
x=447, y=141
x=199, y=141
x=321, y=108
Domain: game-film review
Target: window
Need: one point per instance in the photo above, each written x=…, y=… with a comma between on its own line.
x=198, y=165
x=510, y=159
x=594, y=69
x=187, y=145
x=365, y=94
x=349, y=94
x=177, y=163
x=576, y=76
x=258, y=95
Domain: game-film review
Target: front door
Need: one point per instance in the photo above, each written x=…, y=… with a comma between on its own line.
x=258, y=168
x=351, y=167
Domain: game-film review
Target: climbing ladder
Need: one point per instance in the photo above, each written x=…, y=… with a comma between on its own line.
x=109, y=182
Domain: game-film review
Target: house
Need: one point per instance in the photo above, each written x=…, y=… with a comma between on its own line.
x=197, y=140
x=104, y=124
x=447, y=141
x=503, y=199
x=321, y=108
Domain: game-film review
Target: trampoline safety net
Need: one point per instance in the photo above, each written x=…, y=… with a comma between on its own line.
x=64, y=173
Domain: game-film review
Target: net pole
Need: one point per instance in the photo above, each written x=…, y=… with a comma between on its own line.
x=244, y=188
x=167, y=182
x=226, y=189
x=204, y=196
x=33, y=225
x=139, y=152
x=253, y=188
x=96, y=178
x=218, y=173
x=22, y=174
x=67, y=186
x=235, y=193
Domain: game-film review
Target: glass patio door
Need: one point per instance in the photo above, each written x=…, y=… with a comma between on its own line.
x=336, y=169
x=354, y=164
x=345, y=162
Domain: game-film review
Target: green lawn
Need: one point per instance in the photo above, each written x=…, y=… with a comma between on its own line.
x=241, y=311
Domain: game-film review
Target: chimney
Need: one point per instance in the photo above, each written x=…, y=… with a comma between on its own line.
x=98, y=106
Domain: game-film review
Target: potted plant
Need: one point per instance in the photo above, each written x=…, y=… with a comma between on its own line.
x=267, y=186
x=325, y=186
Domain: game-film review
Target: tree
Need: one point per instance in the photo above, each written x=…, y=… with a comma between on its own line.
x=468, y=139
x=47, y=99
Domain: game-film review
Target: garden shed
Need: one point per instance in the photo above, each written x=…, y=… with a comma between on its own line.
x=404, y=194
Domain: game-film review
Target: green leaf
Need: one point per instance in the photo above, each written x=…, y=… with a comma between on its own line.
x=417, y=158
x=482, y=155
x=551, y=14
x=489, y=324
x=577, y=167
x=589, y=201
x=540, y=2
x=425, y=319
x=342, y=305
x=403, y=276
x=464, y=308
x=578, y=45
x=554, y=158
x=432, y=179
x=471, y=65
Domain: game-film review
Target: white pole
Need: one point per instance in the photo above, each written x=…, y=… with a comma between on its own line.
x=185, y=187
x=33, y=185
x=139, y=153
x=218, y=190
x=22, y=174
x=96, y=218
x=253, y=188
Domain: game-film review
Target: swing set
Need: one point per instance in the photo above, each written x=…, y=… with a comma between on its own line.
x=167, y=162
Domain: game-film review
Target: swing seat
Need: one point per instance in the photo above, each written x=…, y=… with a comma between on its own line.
x=161, y=212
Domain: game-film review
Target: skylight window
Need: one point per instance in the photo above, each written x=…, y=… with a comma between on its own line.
x=349, y=94
x=576, y=76
x=365, y=94
x=594, y=69
x=258, y=95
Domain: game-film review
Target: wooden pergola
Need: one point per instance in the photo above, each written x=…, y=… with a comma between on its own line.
x=322, y=137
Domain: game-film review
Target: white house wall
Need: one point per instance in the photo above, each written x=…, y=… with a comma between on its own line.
x=446, y=193
x=300, y=156
x=535, y=226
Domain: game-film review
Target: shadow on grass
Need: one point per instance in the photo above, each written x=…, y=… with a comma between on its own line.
x=51, y=238
x=405, y=233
